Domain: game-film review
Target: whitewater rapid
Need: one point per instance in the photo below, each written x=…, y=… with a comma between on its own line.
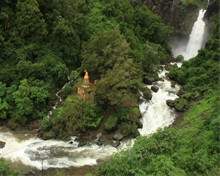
x=155, y=113
x=25, y=148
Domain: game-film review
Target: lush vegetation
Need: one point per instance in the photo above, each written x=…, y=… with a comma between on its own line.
x=187, y=151
x=111, y=39
x=44, y=41
x=4, y=169
x=192, y=147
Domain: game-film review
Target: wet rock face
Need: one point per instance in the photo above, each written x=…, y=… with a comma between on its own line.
x=175, y=13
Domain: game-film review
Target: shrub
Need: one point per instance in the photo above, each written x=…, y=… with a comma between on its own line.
x=179, y=58
x=111, y=122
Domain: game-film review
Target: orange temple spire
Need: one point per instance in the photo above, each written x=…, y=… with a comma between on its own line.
x=86, y=77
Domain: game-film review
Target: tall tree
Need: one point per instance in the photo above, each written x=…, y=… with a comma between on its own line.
x=31, y=25
x=24, y=105
x=102, y=51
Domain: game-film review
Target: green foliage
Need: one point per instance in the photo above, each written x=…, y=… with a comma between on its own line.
x=111, y=123
x=186, y=96
x=107, y=37
x=125, y=113
x=127, y=128
x=74, y=74
x=104, y=50
x=4, y=169
x=200, y=72
x=199, y=3
x=36, y=27
x=185, y=151
x=75, y=116
x=179, y=58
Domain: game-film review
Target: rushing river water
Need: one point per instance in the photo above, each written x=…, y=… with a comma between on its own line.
x=27, y=151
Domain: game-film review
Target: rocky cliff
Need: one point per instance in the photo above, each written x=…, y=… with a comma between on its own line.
x=173, y=12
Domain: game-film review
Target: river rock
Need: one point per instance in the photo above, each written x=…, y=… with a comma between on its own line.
x=170, y=103
x=161, y=79
x=98, y=135
x=180, y=104
x=154, y=88
x=2, y=144
x=148, y=80
x=82, y=143
x=173, y=84
x=99, y=143
x=49, y=135
x=139, y=124
x=180, y=92
x=118, y=136
x=115, y=144
x=146, y=93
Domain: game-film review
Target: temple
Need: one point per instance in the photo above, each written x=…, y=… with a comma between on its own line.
x=84, y=90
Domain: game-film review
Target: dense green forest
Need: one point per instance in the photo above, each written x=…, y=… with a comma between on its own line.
x=42, y=42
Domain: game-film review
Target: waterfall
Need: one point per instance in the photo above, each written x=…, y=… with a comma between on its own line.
x=195, y=42
x=196, y=37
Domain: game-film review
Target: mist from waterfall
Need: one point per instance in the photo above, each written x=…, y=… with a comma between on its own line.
x=196, y=39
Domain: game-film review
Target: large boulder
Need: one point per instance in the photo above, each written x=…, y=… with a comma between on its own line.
x=170, y=103
x=146, y=93
x=180, y=92
x=173, y=84
x=118, y=136
x=115, y=144
x=180, y=104
x=148, y=80
x=49, y=135
x=154, y=88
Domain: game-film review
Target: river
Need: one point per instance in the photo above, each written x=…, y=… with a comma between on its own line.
x=28, y=152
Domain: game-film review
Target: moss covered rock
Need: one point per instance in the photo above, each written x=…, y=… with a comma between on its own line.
x=170, y=103
x=180, y=104
x=146, y=93
x=186, y=96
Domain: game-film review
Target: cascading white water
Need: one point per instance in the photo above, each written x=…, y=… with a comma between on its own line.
x=155, y=113
x=195, y=39
x=30, y=151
